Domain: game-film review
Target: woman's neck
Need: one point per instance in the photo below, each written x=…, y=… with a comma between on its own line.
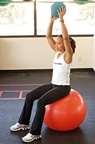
x=59, y=54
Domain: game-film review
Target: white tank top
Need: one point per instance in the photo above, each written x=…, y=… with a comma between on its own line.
x=61, y=71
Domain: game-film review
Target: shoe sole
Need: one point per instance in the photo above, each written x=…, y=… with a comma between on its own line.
x=33, y=139
x=23, y=129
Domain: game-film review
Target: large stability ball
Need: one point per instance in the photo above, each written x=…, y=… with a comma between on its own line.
x=67, y=113
x=55, y=6
x=4, y=2
x=81, y=1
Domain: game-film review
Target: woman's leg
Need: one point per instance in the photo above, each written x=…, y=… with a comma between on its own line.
x=30, y=97
x=49, y=97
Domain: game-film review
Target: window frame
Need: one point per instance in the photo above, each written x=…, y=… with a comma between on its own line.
x=35, y=24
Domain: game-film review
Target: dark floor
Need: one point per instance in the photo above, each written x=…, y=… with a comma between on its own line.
x=82, y=81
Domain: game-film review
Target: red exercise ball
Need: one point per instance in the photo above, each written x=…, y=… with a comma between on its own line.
x=67, y=113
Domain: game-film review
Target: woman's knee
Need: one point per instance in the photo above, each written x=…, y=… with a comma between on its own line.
x=41, y=103
x=29, y=96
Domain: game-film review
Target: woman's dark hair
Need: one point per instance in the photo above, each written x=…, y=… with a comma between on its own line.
x=72, y=42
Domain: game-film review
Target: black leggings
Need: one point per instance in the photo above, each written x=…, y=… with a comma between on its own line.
x=45, y=94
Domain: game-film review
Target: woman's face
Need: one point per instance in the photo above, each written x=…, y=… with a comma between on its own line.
x=59, y=44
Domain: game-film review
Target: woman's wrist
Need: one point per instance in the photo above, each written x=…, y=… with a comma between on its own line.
x=61, y=20
x=51, y=21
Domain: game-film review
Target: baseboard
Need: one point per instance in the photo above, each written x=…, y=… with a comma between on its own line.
x=46, y=70
x=82, y=70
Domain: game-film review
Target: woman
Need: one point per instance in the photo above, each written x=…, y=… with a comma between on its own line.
x=64, y=46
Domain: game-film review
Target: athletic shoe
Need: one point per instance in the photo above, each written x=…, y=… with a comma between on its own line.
x=29, y=137
x=18, y=127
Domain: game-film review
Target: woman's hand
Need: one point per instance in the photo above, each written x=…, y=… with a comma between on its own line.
x=53, y=18
x=61, y=11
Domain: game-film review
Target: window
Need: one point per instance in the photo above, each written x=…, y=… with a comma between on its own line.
x=79, y=19
x=17, y=18
x=20, y=18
